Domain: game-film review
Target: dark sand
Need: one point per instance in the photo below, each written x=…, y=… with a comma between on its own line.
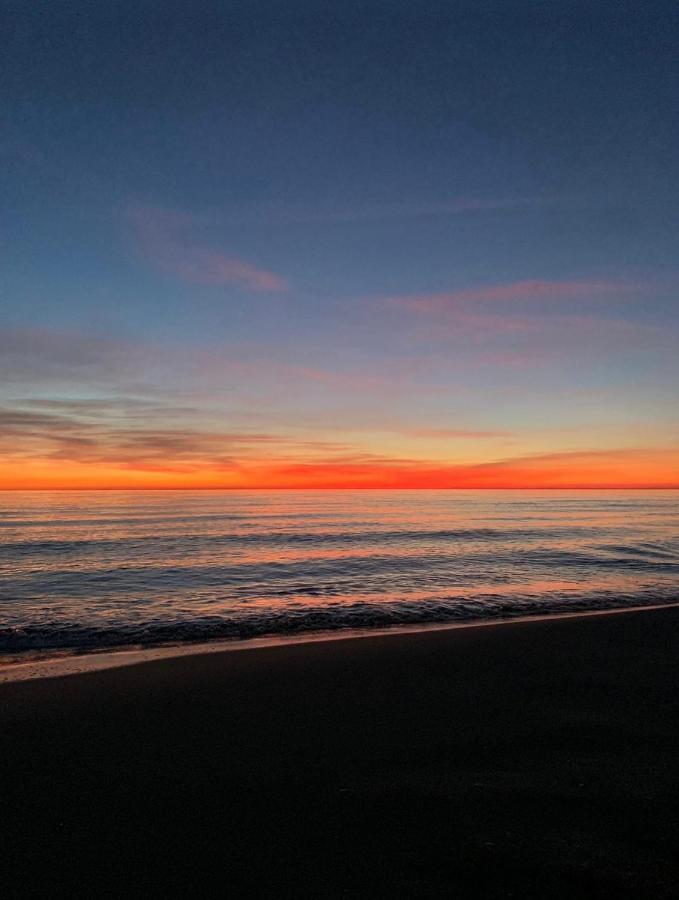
x=532, y=759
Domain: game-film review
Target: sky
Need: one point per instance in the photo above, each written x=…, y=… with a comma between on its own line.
x=275, y=243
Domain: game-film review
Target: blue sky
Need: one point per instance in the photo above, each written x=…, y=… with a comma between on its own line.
x=383, y=221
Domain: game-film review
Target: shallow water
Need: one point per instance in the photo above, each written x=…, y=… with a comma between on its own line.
x=87, y=570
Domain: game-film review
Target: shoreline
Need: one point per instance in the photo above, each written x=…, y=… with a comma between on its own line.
x=97, y=661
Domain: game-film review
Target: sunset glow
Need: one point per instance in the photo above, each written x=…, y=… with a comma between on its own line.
x=626, y=469
x=408, y=278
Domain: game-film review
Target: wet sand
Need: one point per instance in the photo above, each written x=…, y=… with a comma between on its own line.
x=531, y=759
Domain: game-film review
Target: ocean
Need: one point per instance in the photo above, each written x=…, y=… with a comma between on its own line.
x=82, y=571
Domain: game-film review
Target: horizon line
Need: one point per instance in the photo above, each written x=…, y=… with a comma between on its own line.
x=569, y=487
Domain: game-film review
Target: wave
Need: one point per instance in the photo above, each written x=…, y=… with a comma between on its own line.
x=90, y=572
x=242, y=625
x=337, y=574
x=60, y=547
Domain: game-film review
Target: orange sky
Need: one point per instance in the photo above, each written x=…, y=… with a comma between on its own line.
x=657, y=468
x=393, y=261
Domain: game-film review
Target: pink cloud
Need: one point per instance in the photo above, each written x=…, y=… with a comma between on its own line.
x=161, y=235
x=528, y=309
x=512, y=291
x=208, y=267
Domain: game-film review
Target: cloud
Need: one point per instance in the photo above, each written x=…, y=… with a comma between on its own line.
x=88, y=434
x=108, y=407
x=375, y=212
x=534, y=289
x=81, y=448
x=532, y=321
x=44, y=363
x=43, y=355
x=162, y=236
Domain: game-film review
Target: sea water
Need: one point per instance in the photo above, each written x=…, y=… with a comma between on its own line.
x=81, y=571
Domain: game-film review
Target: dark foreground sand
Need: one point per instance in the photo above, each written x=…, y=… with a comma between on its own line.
x=533, y=759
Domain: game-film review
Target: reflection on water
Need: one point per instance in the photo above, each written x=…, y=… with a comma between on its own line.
x=84, y=570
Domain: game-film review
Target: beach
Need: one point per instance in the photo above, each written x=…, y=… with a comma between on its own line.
x=524, y=759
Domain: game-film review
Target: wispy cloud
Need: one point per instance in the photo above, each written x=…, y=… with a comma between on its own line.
x=91, y=432
x=530, y=321
x=296, y=214
x=531, y=289
x=83, y=444
x=42, y=362
x=54, y=357
x=164, y=237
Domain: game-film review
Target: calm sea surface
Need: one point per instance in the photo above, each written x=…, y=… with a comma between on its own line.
x=85, y=570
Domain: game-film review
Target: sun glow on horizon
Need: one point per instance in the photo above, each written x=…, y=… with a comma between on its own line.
x=615, y=470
